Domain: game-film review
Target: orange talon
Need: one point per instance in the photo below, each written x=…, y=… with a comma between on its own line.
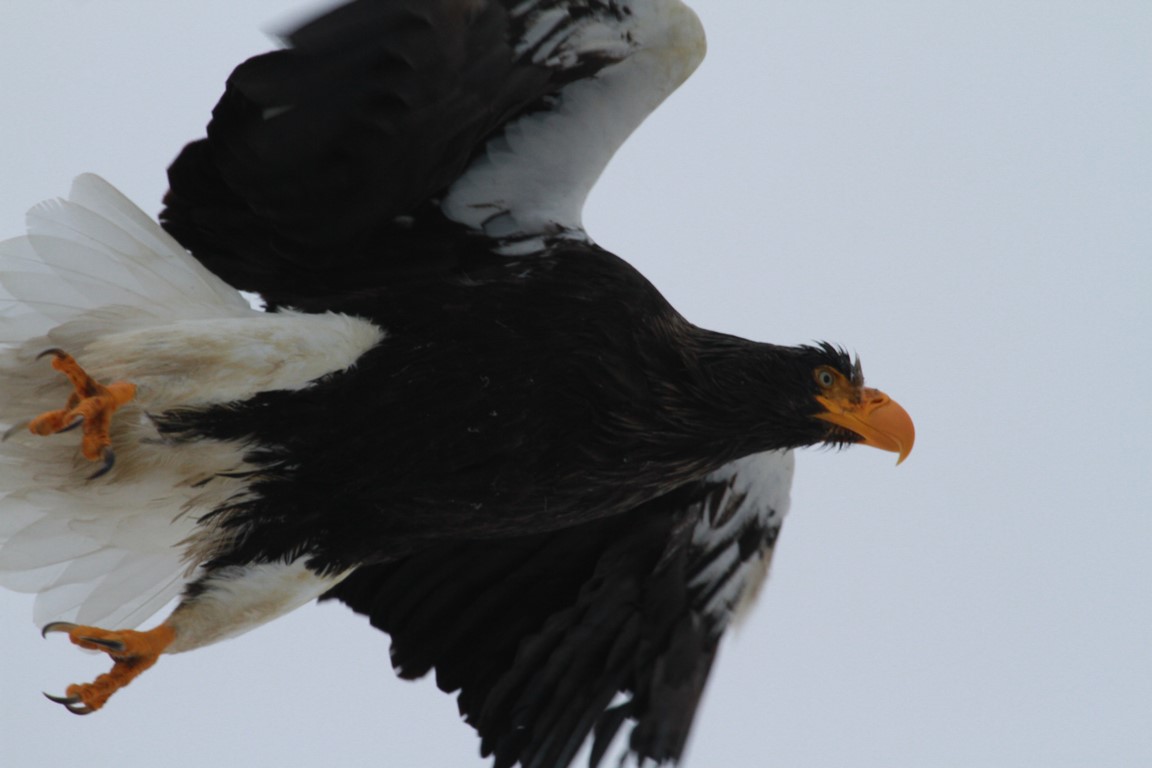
x=90, y=406
x=132, y=652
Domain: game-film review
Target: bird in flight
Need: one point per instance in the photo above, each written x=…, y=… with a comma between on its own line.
x=455, y=412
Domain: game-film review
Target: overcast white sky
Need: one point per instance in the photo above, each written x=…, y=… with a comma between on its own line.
x=961, y=192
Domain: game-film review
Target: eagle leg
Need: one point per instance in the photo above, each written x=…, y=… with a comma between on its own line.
x=91, y=405
x=132, y=652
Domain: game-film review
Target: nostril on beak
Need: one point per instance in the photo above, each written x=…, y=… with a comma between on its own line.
x=874, y=398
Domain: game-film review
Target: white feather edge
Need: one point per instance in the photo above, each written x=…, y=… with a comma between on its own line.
x=534, y=177
x=97, y=277
x=764, y=481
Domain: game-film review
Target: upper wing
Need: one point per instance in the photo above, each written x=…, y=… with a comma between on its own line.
x=553, y=637
x=392, y=133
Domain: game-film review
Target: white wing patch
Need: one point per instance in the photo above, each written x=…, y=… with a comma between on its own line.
x=535, y=175
x=758, y=495
x=98, y=278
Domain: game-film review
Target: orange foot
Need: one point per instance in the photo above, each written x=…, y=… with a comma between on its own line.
x=92, y=403
x=132, y=651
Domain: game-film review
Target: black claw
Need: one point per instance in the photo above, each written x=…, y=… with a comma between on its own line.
x=109, y=462
x=111, y=645
x=56, y=626
x=56, y=351
x=73, y=704
x=72, y=426
x=13, y=430
x=67, y=626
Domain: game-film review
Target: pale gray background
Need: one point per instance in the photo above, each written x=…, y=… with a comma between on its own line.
x=961, y=192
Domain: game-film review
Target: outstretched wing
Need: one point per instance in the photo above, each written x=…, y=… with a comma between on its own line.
x=554, y=638
x=395, y=136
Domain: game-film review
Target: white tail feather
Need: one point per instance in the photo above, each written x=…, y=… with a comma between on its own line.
x=91, y=266
x=98, y=278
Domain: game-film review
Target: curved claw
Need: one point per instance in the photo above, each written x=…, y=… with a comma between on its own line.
x=23, y=425
x=132, y=652
x=71, y=703
x=75, y=423
x=56, y=352
x=109, y=457
x=57, y=626
x=114, y=646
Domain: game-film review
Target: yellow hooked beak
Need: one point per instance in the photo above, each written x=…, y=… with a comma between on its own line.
x=878, y=419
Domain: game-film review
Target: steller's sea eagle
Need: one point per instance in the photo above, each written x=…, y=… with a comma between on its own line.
x=458, y=414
